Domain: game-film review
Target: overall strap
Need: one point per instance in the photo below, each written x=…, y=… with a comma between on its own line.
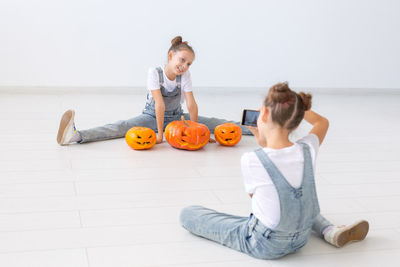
x=309, y=179
x=274, y=173
x=308, y=166
x=305, y=147
x=160, y=76
x=178, y=81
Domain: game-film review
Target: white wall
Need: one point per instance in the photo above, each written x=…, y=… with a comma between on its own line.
x=310, y=43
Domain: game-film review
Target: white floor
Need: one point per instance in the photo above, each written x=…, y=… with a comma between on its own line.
x=106, y=205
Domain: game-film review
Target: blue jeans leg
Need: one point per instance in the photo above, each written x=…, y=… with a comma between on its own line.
x=211, y=123
x=117, y=129
x=228, y=230
x=320, y=224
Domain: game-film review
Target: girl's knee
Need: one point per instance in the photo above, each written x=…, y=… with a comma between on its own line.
x=122, y=126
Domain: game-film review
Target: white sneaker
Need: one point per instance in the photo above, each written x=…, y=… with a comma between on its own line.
x=341, y=235
x=67, y=128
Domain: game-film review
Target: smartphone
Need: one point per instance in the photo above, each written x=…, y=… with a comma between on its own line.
x=250, y=117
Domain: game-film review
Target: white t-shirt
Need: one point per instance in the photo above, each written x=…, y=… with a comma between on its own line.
x=153, y=83
x=289, y=160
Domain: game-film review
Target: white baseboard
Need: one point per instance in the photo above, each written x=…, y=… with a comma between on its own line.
x=216, y=90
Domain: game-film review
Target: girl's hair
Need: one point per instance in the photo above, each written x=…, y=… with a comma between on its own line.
x=178, y=45
x=286, y=106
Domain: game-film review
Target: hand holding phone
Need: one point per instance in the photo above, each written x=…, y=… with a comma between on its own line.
x=250, y=117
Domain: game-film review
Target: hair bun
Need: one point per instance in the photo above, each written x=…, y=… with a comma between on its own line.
x=178, y=45
x=176, y=41
x=281, y=93
x=306, y=98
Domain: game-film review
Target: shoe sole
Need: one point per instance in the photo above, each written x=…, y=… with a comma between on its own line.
x=66, y=120
x=355, y=232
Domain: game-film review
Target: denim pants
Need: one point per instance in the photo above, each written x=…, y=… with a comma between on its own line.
x=245, y=234
x=119, y=128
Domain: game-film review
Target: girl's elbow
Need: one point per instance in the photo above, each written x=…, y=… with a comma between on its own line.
x=326, y=121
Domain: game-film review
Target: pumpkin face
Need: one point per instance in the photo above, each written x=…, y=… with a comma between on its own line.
x=228, y=134
x=187, y=135
x=140, y=138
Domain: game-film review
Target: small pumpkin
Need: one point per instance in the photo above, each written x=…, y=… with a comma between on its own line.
x=140, y=138
x=228, y=134
x=188, y=135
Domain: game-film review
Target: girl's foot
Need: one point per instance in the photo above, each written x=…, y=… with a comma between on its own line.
x=341, y=235
x=67, y=132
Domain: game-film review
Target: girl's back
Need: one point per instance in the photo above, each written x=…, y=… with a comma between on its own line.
x=290, y=162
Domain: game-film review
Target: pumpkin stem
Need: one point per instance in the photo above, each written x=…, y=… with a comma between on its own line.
x=184, y=121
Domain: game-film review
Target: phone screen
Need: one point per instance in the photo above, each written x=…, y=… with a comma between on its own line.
x=250, y=117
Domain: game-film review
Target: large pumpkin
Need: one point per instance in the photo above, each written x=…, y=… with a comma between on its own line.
x=140, y=138
x=188, y=135
x=228, y=134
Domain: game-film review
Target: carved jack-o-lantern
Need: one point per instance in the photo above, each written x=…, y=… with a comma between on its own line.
x=188, y=135
x=228, y=134
x=140, y=138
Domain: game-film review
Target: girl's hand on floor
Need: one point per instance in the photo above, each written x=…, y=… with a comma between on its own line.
x=159, y=139
x=212, y=140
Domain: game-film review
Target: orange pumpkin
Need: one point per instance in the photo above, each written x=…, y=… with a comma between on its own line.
x=188, y=135
x=140, y=138
x=228, y=134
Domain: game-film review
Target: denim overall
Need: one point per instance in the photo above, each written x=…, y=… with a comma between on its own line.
x=173, y=111
x=172, y=100
x=299, y=214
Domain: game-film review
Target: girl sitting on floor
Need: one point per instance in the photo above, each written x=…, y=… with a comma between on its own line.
x=168, y=88
x=279, y=177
